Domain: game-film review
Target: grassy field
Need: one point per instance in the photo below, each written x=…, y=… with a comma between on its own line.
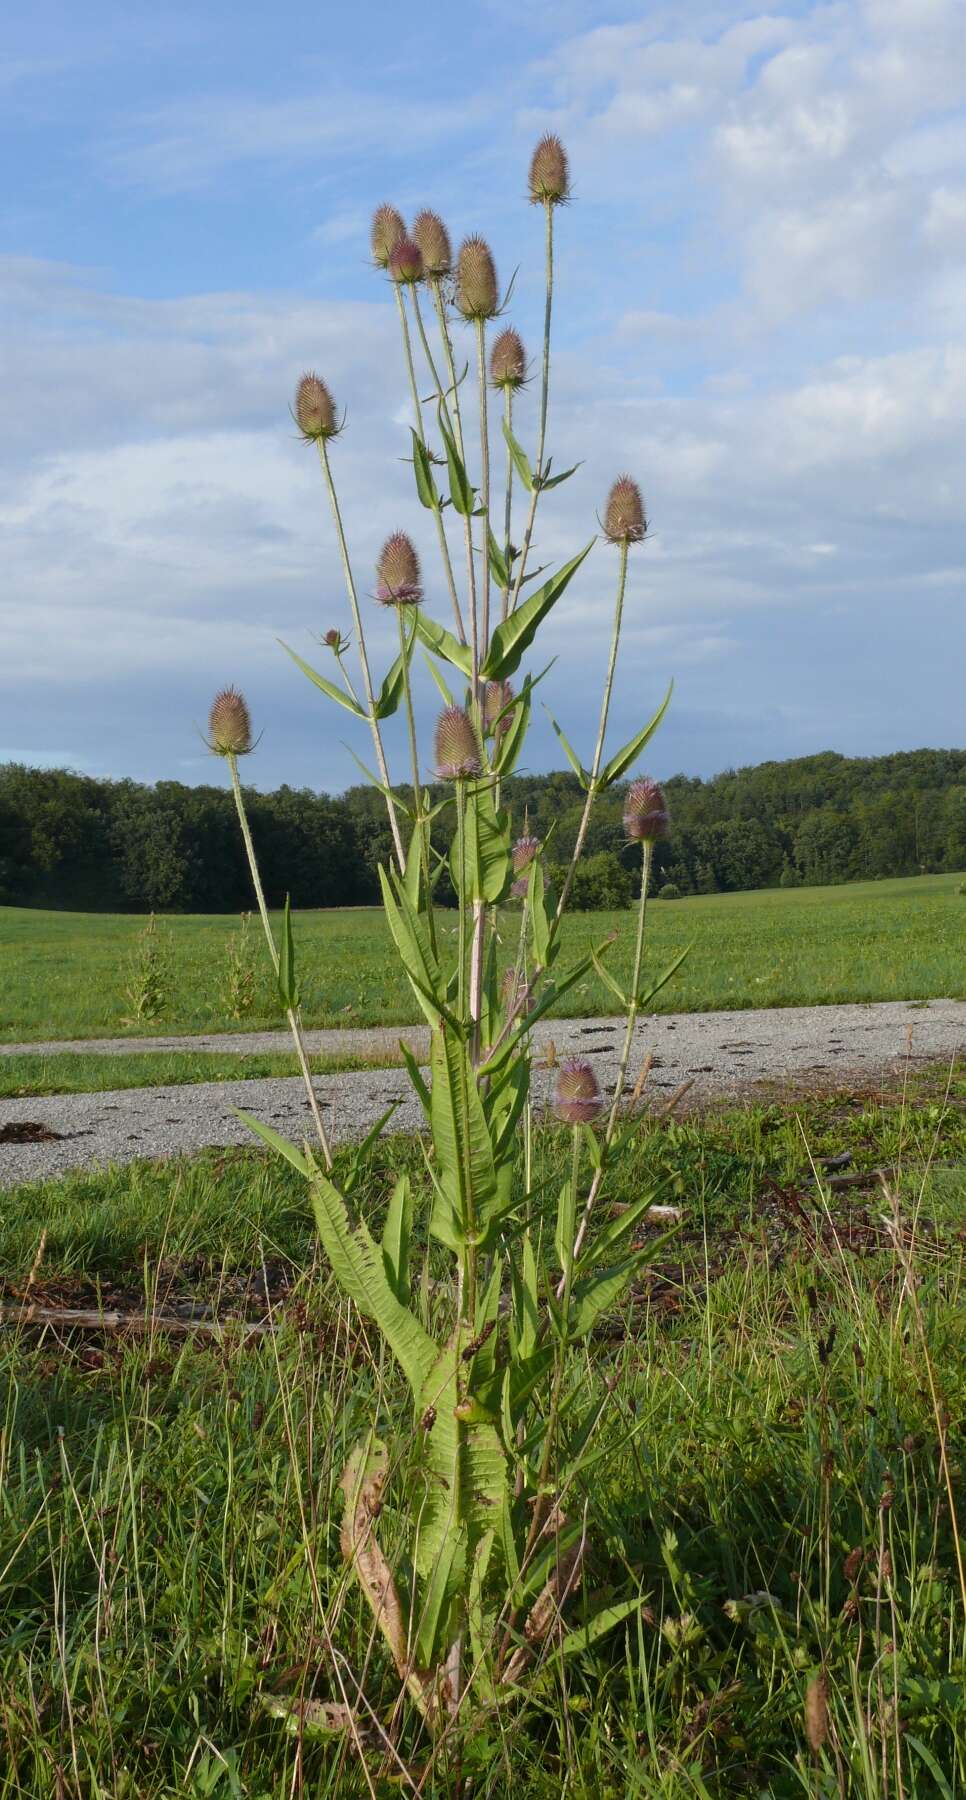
x=777, y=1499
x=66, y=974
x=21, y=1075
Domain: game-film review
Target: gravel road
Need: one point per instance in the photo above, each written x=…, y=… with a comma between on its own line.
x=724, y=1055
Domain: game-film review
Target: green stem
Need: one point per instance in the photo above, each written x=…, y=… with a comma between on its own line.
x=484, y=480
x=599, y=747
x=467, y=522
x=363, y=658
x=544, y=397
x=447, y=343
x=417, y=409
x=461, y=909
x=508, y=500
x=422, y=824
x=291, y=1014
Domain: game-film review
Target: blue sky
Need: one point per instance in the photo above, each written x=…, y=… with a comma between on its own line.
x=761, y=314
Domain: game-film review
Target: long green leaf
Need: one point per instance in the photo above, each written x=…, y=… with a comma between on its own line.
x=552, y=481
x=460, y=491
x=412, y=942
x=515, y=634
x=664, y=977
x=395, y=1238
x=520, y=459
x=425, y=485
x=442, y=643
x=359, y=1269
x=464, y=1152
x=620, y=763
x=327, y=687
x=486, y=848
x=276, y=1142
x=574, y=760
x=391, y=691
x=498, y=562
x=596, y=1293
x=583, y=1636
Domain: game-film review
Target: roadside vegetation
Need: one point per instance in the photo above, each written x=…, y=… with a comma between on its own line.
x=780, y=1399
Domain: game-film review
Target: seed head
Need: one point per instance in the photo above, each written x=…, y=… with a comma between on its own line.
x=549, y=172
x=645, y=811
x=456, y=745
x=476, y=287
x=315, y=409
x=333, y=638
x=229, y=724
x=497, y=696
x=431, y=235
x=525, y=850
x=508, y=362
x=624, y=521
x=387, y=229
x=816, y=1712
x=406, y=262
x=397, y=572
x=577, y=1098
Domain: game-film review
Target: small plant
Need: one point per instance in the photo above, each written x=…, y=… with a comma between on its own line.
x=488, y=1490
x=148, y=988
x=240, y=974
x=669, y=891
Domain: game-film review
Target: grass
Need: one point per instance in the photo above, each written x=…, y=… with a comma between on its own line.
x=169, y=1520
x=101, y=1073
x=67, y=972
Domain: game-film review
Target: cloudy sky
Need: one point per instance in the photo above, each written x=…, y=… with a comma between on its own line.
x=761, y=315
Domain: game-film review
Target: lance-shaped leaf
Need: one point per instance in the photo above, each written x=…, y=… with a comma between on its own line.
x=440, y=683
x=620, y=1228
x=442, y=643
x=327, y=687
x=581, y=773
x=360, y=1271
x=552, y=481
x=276, y=1142
x=395, y=1238
x=498, y=562
x=648, y=994
x=460, y=491
x=620, y=763
x=423, y=468
x=465, y=1466
x=467, y=1186
x=609, y=982
x=412, y=942
x=391, y=691
x=511, y=743
x=288, y=991
x=585, y=1635
x=520, y=460
x=539, y=922
x=595, y=1294
x=513, y=636
x=416, y=1077
x=486, y=848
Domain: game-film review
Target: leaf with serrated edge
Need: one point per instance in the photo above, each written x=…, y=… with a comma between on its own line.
x=358, y=1267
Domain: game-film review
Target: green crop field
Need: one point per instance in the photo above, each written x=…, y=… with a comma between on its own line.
x=65, y=975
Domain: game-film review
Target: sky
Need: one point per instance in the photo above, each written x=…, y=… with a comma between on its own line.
x=760, y=314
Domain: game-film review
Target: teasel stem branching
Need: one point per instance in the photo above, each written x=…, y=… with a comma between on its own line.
x=363, y=658
x=601, y=733
x=418, y=412
x=447, y=343
x=291, y=1013
x=633, y=1007
x=544, y=397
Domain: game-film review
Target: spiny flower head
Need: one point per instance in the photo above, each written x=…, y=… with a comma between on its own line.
x=577, y=1098
x=456, y=746
x=397, y=572
x=524, y=851
x=406, y=262
x=229, y=724
x=508, y=362
x=549, y=172
x=645, y=811
x=334, y=640
x=431, y=235
x=497, y=696
x=476, y=286
x=315, y=409
x=624, y=521
x=388, y=227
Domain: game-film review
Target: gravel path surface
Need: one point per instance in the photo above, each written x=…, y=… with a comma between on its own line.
x=725, y=1055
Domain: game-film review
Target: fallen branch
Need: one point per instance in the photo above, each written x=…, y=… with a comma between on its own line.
x=82, y=1319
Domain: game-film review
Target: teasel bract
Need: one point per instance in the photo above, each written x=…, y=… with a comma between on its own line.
x=315, y=409
x=477, y=294
x=624, y=520
x=456, y=746
x=388, y=227
x=549, y=179
x=577, y=1098
x=645, y=811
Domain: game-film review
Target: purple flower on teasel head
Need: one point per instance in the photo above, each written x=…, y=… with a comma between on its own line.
x=577, y=1098
x=456, y=746
x=229, y=724
x=645, y=811
x=397, y=572
x=406, y=262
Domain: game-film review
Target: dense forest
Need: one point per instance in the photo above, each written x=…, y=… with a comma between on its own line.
x=67, y=840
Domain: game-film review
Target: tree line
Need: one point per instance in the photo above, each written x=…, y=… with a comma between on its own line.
x=71, y=841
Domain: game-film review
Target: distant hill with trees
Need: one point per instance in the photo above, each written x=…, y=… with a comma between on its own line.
x=70, y=841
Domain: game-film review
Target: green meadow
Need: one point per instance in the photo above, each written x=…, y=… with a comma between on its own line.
x=66, y=975
x=784, y=1394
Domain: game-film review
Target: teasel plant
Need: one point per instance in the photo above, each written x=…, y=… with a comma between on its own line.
x=488, y=1487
